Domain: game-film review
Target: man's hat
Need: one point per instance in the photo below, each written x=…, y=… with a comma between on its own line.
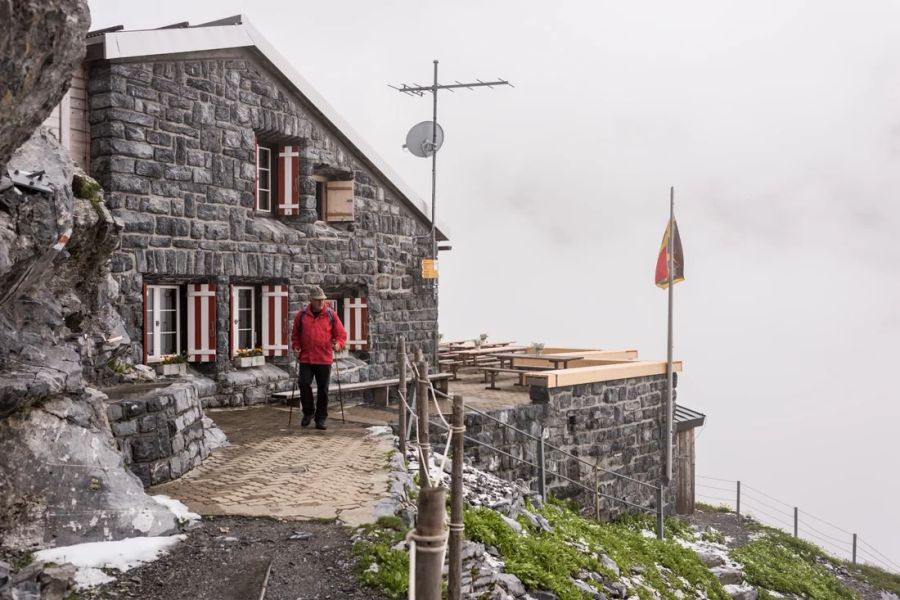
x=316, y=293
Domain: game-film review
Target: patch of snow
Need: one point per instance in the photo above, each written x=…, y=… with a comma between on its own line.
x=121, y=555
x=379, y=430
x=182, y=513
x=89, y=577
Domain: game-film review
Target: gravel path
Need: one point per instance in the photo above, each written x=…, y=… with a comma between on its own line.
x=226, y=558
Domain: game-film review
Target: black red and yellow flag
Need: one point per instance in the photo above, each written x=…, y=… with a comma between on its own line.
x=662, y=263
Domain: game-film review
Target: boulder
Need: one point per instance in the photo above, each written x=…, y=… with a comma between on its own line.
x=63, y=481
x=46, y=37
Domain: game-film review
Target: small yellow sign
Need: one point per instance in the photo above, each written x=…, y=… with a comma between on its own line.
x=429, y=268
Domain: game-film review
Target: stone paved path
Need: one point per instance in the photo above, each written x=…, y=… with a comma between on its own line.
x=270, y=470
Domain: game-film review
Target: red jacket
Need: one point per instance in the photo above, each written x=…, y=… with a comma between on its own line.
x=313, y=335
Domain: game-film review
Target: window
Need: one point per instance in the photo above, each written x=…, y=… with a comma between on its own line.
x=245, y=316
x=264, y=178
x=354, y=315
x=278, y=179
x=162, y=320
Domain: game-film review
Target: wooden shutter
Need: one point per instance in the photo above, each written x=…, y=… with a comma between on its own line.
x=356, y=321
x=288, y=180
x=146, y=322
x=201, y=322
x=339, y=201
x=275, y=320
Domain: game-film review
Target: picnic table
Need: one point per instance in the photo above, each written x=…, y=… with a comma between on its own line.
x=556, y=359
x=465, y=355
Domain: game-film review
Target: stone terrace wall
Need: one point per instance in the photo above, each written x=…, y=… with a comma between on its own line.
x=173, y=144
x=159, y=430
x=618, y=425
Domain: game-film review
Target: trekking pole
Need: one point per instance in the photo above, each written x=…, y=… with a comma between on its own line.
x=340, y=394
x=293, y=387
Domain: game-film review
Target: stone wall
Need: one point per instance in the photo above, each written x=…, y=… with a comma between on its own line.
x=617, y=425
x=173, y=144
x=159, y=428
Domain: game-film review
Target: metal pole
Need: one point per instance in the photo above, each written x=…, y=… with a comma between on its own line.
x=434, y=251
x=854, y=548
x=430, y=543
x=660, y=514
x=401, y=357
x=596, y=492
x=542, y=483
x=669, y=375
x=796, y=520
x=456, y=501
x=739, y=498
x=424, y=441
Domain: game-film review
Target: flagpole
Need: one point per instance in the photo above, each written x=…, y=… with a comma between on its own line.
x=670, y=405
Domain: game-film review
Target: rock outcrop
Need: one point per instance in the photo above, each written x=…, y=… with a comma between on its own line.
x=41, y=42
x=62, y=478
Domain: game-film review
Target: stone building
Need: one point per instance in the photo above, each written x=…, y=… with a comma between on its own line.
x=238, y=188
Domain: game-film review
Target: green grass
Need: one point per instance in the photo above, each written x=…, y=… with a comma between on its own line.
x=876, y=577
x=391, y=576
x=548, y=560
x=779, y=562
x=709, y=508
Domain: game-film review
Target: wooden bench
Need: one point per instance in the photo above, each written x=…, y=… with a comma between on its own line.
x=492, y=373
x=381, y=387
x=450, y=366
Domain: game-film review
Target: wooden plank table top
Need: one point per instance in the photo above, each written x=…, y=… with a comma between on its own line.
x=557, y=359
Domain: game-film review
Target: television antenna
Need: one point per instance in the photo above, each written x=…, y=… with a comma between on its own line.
x=432, y=148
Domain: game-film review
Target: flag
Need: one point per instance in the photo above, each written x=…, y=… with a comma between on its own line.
x=662, y=263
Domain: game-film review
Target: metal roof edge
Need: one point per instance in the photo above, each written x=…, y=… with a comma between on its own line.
x=130, y=44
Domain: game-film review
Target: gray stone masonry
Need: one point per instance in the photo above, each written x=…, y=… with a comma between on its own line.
x=173, y=145
x=617, y=425
x=159, y=430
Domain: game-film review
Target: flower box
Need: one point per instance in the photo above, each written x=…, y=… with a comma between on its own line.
x=243, y=362
x=171, y=369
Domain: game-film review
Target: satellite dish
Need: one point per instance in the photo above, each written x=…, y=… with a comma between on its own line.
x=420, y=137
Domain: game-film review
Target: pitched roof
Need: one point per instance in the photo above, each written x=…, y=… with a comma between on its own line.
x=237, y=32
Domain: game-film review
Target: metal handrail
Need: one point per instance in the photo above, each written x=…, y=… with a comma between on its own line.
x=542, y=468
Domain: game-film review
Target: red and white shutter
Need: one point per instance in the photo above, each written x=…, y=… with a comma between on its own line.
x=275, y=320
x=201, y=322
x=288, y=180
x=356, y=321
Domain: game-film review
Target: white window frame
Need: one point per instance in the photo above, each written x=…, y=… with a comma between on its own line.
x=263, y=165
x=154, y=354
x=236, y=316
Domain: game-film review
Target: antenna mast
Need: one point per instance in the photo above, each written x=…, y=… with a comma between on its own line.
x=420, y=90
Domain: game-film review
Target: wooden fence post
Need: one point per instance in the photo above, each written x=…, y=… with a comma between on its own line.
x=456, y=501
x=401, y=357
x=429, y=538
x=423, y=429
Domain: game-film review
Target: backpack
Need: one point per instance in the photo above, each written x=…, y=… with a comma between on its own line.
x=328, y=310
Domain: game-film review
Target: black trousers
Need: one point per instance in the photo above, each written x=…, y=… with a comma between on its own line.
x=322, y=375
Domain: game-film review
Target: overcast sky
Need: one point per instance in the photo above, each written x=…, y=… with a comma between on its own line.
x=778, y=123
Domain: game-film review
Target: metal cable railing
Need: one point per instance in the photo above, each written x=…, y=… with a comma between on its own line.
x=753, y=504
x=540, y=464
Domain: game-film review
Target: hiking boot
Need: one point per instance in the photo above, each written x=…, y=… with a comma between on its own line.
x=320, y=424
x=307, y=419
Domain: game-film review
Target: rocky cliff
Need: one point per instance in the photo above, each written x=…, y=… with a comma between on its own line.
x=62, y=479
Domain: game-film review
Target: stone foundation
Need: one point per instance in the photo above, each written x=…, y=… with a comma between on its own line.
x=159, y=427
x=617, y=425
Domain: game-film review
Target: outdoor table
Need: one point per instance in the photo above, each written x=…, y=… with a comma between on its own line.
x=464, y=355
x=556, y=359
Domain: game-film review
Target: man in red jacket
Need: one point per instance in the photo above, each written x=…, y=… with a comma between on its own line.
x=317, y=332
